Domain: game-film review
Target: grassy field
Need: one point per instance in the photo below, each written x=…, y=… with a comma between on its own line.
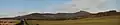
x=107, y=20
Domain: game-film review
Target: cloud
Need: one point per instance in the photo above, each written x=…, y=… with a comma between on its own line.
x=92, y=6
x=95, y=6
x=63, y=8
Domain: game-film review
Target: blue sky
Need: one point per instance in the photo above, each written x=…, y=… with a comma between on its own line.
x=11, y=7
x=18, y=7
x=27, y=5
x=118, y=4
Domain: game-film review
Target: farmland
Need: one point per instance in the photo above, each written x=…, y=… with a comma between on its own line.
x=105, y=20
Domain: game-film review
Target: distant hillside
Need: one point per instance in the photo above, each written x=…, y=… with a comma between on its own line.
x=64, y=16
x=55, y=16
x=107, y=13
x=7, y=18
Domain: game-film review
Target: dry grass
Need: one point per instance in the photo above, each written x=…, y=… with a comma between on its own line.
x=107, y=20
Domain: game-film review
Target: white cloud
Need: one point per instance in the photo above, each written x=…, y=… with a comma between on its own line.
x=63, y=8
x=93, y=6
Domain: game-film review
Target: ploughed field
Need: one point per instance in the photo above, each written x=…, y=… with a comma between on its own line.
x=105, y=20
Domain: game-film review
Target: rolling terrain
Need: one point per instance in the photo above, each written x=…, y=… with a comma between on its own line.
x=102, y=18
x=79, y=18
x=106, y=20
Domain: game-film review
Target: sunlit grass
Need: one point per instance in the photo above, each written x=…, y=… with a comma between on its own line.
x=107, y=20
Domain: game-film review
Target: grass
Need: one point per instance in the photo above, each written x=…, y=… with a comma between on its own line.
x=107, y=20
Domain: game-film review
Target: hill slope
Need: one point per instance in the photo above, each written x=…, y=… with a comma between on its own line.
x=106, y=20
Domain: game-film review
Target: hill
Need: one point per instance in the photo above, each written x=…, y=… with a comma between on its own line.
x=58, y=16
x=107, y=13
x=64, y=16
x=104, y=20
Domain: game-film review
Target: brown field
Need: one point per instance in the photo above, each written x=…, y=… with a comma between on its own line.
x=8, y=22
x=106, y=20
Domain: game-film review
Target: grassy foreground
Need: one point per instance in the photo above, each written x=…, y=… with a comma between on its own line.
x=107, y=20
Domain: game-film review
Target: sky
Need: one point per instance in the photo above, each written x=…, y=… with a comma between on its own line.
x=95, y=6
x=20, y=7
x=11, y=8
x=118, y=4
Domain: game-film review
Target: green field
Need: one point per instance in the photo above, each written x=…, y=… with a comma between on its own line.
x=106, y=20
